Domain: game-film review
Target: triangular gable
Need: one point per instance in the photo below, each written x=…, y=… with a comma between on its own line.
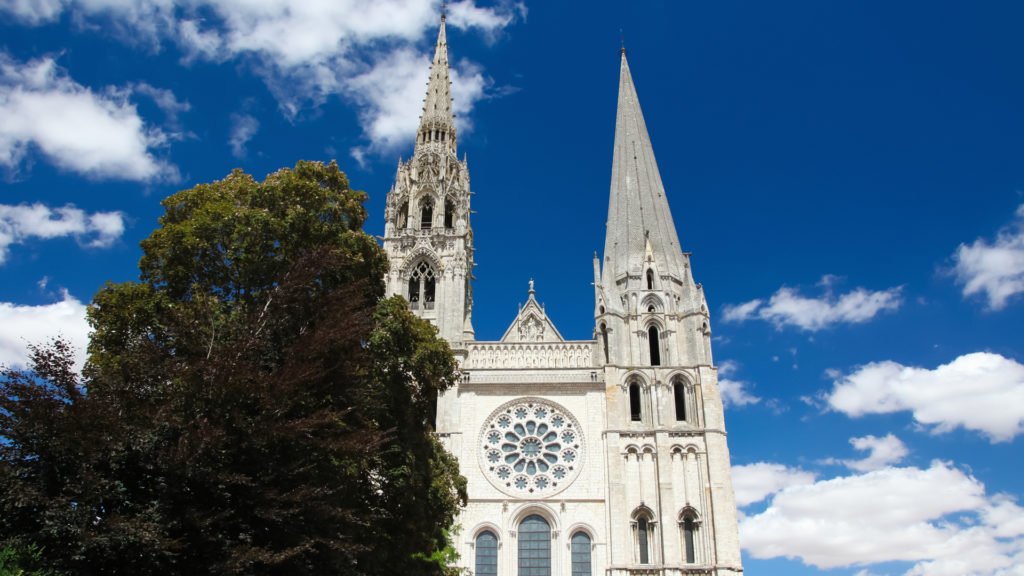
x=532, y=324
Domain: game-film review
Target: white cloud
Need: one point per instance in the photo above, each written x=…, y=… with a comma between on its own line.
x=996, y=269
x=243, y=128
x=97, y=135
x=21, y=325
x=881, y=453
x=983, y=392
x=307, y=51
x=467, y=15
x=22, y=222
x=787, y=307
x=938, y=517
x=734, y=392
x=33, y=11
x=754, y=482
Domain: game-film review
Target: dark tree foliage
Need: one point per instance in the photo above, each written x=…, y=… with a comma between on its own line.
x=251, y=406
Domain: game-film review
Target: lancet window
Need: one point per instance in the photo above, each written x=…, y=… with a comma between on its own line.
x=534, y=546
x=581, y=554
x=449, y=214
x=652, y=337
x=679, y=394
x=635, y=412
x=426, y=214
x=486, y=554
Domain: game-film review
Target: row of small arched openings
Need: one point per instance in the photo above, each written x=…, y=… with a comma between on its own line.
x=426, y=215
x=653, y=342
x=644, y=522
x=679, y=389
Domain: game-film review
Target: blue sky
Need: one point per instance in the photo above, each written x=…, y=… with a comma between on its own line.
x=848, y=177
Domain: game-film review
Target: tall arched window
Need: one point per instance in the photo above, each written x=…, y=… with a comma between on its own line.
x=652, y=337
x=634, y=402
x=449, y=214
x=534, y=546
x=604, y=342
x=486, y=554
x=643, y=539
x=650, y=279
x=689, y=527
x=426, y=214
x=422, y=287
x=679, y=392
x=581, y=555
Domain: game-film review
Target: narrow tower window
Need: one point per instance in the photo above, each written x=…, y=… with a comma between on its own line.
x=650, y=279
x=634, y=402
x=688, y=529
x=604, y=341
x=581, y=555
x=679, y=391
x=641, y=536
x=414, y=292
x=427, y=214
x=449, y=214
x=428, y=290
x=486, y=554
x=652, y=337
x=403, y=216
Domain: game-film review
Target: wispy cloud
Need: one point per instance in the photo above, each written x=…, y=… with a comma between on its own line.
x=243, y=128
x=22, y=222
x=995, y=269
x=983, y=392
x=99, y=135
x=787, y=307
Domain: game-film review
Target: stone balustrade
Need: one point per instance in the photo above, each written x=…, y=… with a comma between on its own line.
x=501, y=355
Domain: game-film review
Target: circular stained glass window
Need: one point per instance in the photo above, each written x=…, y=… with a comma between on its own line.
x=531, y=447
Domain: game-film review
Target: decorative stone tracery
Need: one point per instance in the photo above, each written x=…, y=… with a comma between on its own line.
x=531, y=447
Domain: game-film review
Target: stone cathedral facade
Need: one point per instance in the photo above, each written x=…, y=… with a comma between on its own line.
x=588, y=457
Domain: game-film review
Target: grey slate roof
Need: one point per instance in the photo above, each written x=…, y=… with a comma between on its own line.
x=637, y=208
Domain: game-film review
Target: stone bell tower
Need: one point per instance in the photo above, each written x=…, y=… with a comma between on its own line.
x=427, y=235
x=670, y=493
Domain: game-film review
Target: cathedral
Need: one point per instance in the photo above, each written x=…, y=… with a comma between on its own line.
x=584, y=457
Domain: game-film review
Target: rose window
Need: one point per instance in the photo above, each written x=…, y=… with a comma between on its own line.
x=531, y=447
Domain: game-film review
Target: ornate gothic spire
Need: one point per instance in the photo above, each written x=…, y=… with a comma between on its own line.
x=437, y=124
x=638, y=212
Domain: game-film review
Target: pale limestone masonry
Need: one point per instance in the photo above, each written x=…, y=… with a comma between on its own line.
x=618, y=437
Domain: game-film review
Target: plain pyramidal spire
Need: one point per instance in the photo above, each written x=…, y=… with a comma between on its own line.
x=638, y=211
x=437, y=123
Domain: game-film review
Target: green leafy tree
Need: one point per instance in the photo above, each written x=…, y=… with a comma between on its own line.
x=252, y=406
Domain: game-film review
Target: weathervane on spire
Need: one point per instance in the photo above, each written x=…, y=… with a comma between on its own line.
x=622, y=42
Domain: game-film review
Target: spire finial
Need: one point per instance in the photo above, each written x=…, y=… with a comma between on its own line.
x=622, y=43
x=444, y=10
x=532, y=291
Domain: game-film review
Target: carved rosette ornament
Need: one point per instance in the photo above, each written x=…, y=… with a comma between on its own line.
x=531, y=447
